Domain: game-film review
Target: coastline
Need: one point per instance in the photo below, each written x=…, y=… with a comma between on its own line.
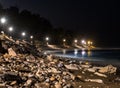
x=98, y=61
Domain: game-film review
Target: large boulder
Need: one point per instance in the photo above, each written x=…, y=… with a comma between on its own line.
x=11, y=52
x=108, y=69
x=72, y=67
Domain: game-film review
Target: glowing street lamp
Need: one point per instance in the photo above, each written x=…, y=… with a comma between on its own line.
x=3, y=20
x=23, y=34
x=89, y=42
x=10, y=29
x=83, y=42
x=47, y=39
x=64, y=40
x=75, y=41
x=31, y=37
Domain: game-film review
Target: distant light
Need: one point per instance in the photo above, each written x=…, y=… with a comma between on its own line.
x=2, y=32
x=83, y=42
x=47, y=38
x=3, y=20
x=83, y=53
x=75, y=40
x=75, y=51
x=64, y=40
x=23, y=33
x=64, y=51
x=89, y=42
x=10, y=28
x=31, y=37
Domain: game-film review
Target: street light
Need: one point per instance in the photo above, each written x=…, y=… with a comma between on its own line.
x=31, y=37
x=89, y=42
x=64, y=40
x=23, y=34
x=83, y=42
x=47, y=39
x=10, y=29
x=75, y=41
x=3, y=20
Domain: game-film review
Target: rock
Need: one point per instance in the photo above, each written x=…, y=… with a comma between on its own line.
x=28, y=83
x=2, y=85
x=108, y=69
x=13, y=83
x=6, y=55
x=72, y=76
x=79, y=79
x=49, y=57
x=80, y=86
x=91, y=70
x=85, y=66
x=54, y=70
x=52, y=79
x=68, y=86
x=12, y=77
x=42, y=85
x=72, y=67
x=58, y=85
x=60, y=65
x=94, y=80
x=117, y=79
x=47, y=80
x=83, y=72
x=99, y=74
x=11, y=52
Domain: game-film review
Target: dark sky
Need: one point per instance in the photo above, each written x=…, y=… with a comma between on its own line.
x=102, y=16
x=72, y=14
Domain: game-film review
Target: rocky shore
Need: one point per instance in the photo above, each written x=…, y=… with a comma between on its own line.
x=22, y=65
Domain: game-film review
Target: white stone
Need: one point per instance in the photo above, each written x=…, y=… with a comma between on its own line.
x=53, y=70
x=29, y=81
x=85, y=66
x=108, y=69
x=58, y=85
x=11, y=52
x=91, y=69
x=94, y=80
x=99, y=74
x=71, y=67
x=2, y=85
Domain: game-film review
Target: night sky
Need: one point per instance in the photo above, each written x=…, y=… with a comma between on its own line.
x=89, y=15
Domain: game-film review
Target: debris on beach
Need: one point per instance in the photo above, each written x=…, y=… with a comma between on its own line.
x=108, y=69
x=22, y=65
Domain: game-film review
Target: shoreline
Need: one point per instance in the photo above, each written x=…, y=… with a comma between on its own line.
x=92, y=60
x=97, y=62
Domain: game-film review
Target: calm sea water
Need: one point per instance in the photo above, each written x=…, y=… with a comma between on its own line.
x=95, y=55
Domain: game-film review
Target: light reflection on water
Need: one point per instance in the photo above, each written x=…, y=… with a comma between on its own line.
x=64, y=51
x=75, y=52
x=108, y=55
x=83, y=53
